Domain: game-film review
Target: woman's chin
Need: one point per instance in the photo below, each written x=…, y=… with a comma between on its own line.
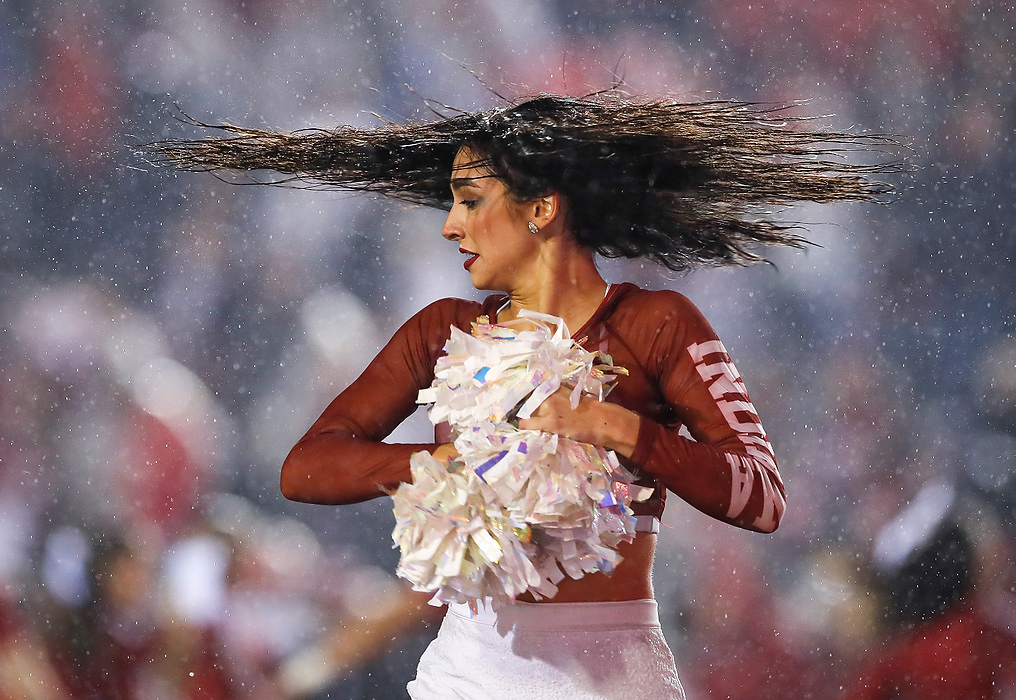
x=481, y=281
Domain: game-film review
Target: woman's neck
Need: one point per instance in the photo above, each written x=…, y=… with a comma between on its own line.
x=566, y=284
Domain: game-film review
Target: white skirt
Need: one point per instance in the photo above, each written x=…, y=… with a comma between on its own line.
x=534, y=651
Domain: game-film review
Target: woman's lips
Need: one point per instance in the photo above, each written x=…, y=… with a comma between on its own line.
x=471, y=259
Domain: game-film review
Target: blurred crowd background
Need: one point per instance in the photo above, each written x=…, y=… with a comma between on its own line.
x=166, y=337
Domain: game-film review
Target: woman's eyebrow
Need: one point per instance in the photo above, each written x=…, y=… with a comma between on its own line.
x=460, y=182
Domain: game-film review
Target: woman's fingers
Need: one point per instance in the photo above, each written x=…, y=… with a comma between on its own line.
x=555, y=415
x=597, y=423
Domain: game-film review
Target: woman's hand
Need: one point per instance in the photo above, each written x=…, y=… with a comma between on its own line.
x=595, y=422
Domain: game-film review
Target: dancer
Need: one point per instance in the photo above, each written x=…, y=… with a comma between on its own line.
x=535, y=190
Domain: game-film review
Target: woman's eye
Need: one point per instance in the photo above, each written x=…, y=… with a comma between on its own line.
x=469, y=203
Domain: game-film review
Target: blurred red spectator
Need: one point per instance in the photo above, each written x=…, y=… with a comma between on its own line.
x=843, y=33
x=159, y=477
x=78, y=85
x=743, y=655
x=25, y=668
x=956, y=656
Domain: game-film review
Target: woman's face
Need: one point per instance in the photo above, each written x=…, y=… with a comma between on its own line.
x=490, y=228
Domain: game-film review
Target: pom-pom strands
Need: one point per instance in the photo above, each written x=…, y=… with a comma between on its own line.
x=679, y=183
x=519, y=509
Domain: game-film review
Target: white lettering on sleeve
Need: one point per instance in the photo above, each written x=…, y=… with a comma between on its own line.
x=727, y=389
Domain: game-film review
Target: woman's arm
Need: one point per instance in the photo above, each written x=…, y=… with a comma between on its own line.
x=342, y=458
x=728, y=469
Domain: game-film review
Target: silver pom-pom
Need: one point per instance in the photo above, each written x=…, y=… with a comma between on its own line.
x=519, y=509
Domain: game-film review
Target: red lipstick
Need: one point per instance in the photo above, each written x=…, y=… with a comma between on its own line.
x=471, y=259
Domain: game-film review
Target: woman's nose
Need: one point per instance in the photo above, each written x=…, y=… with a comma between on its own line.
x=451, y=230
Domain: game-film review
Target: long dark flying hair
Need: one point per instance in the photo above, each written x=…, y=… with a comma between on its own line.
x=681, y=183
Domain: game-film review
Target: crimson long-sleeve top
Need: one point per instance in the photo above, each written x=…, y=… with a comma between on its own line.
x=681, y=382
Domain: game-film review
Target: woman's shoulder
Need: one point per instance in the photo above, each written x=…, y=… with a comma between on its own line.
x=657, y=326
x=452, y=311
x=654, y=306
x=423, y=336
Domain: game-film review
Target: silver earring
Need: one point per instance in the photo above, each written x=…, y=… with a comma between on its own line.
x=533, y=228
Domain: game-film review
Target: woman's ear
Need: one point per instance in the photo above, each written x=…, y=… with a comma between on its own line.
x=546, y=210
